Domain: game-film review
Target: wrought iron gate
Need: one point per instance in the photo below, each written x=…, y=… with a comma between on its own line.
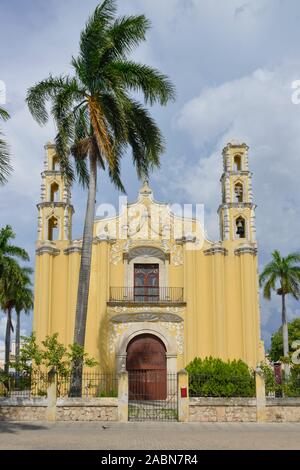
x=152, y=396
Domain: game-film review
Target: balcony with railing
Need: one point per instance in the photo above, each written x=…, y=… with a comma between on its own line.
x=148, y=295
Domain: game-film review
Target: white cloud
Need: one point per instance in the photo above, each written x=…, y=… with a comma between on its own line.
x=256, y=109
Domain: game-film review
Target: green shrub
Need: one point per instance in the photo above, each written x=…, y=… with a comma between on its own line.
x=269, y=376
x=3, y=384
x=276, y=349
x=212, y=377
x=291, y=387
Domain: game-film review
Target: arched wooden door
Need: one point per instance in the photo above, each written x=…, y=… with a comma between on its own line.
x=147, y=368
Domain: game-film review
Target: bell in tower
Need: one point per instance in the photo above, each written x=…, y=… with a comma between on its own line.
x=237, y=211
x=55, y=209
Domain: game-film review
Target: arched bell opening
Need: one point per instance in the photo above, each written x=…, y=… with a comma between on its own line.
x=240, y=227
x=53, y=229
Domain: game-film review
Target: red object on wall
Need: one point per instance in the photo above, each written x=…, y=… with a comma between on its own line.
x=183, y=392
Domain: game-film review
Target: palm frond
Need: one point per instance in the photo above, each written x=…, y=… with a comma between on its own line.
x=63, y=151
x=5, y=165
x=268, y=271
x=82, y=122
x=7, y=250
x=17, y=252
x=4, y=114
x=38, y=95
x=155, y=86
x=269, y=286
x=92, y=40
x=101, y=131
x=143, y=127
x=114, y=168
x=124, y=35
x=82, y=172
x=293, y=258
x=112, y=105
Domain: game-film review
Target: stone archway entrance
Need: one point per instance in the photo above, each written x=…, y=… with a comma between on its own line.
x=146, y=363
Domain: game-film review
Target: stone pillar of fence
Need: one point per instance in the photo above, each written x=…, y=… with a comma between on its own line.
x=261, y=414
x=123, y=396
x=183, y=396
x=51, y=396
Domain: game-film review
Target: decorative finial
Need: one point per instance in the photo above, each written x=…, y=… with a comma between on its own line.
x=145, y=189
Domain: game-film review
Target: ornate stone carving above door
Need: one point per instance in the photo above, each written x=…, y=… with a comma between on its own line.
x=146, y=316
x=146, y=252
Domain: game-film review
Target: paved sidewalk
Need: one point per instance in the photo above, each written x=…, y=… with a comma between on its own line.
x=101, y=436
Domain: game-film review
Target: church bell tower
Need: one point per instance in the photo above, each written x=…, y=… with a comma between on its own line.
x=237, y=211
x=55, y=209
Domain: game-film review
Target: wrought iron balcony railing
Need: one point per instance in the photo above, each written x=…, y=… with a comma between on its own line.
x=146, y=294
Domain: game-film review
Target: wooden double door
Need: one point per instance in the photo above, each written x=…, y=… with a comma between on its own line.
x=147, y=368
x=146, y=282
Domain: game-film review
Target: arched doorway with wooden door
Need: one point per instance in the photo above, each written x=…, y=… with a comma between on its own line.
x=146, y=363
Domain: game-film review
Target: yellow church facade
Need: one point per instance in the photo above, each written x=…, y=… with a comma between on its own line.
x=157, y=282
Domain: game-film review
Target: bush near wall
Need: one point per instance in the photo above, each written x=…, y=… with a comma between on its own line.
x=291, y=386
x=212, y=377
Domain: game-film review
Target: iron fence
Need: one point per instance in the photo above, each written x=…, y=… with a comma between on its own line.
x=24, y=385
x=93, y=385
x=35, y=384
x=217, y=385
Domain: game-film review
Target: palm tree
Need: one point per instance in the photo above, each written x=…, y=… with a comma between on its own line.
x=282, y=275
x=11, y=284
x=5, y=166
x=9, y=251
x=97, y=118
x=23, y=303
x=10, y=275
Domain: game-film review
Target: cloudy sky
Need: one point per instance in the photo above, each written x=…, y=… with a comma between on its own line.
x=233, y=64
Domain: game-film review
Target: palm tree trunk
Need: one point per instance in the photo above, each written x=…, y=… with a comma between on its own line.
x=285, y=335
x=84, y=278
x=18, y=332
x=7, y=341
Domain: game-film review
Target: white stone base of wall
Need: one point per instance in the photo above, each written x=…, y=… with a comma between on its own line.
x=243, y=410
x=67, y=409
x=87, y=409
x=106, y=409
x=223, y=409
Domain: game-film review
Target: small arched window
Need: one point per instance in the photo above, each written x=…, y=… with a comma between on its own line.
x=237, y=163
x=240, y=227
x=238, y=190
x=53, y=229
x=54, y=192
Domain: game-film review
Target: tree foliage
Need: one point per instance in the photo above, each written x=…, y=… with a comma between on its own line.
x=5, y=165
x=212, y=377
x=276, y=348
x=95, y=110
x=281, y=275
x=8, y=251
x=51, y=354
